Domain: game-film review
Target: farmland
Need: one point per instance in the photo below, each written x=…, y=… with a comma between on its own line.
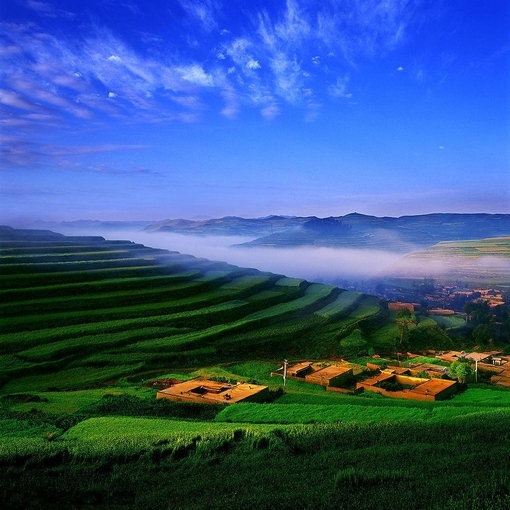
x=71, y=308
x=85, y=322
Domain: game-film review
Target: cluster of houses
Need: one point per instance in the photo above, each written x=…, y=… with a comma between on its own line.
x=492, y=361
x=341, y=378
x=416, y=381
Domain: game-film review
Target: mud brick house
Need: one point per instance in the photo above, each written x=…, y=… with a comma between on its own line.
x=205, y=391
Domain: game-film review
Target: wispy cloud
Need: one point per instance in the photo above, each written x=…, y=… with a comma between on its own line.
x=339, y=89
x=49, y=10
x=205, y=12
x=18, y=151
x=272, y=57
x=270, y=111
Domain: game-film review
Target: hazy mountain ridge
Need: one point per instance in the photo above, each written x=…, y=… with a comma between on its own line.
x=354, y=230
x=351, y=230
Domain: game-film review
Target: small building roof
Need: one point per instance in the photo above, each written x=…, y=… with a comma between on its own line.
x=299, y=367
x=501, y=380
x=211, y=392
x=425, y=367
x=451, y=356
x=481, y=356
x=433, y=386
x=395, y=370
x=383, y=376
x=331, y=371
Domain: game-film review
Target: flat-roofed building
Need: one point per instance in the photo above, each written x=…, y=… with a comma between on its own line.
x=419, y=389
x=330, y=376
x=205, y=391
x=300, y=369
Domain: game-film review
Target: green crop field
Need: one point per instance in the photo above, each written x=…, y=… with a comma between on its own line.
x=69, y=304
x=85, y=323
x=449, y=321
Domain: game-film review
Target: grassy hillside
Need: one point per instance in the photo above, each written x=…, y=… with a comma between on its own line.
x=128, y=450
x=78, y=311
x=485, y=261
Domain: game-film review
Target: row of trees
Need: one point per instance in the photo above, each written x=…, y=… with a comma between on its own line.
x=488, y=325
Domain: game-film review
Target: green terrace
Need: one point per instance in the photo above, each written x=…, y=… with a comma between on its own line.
x=69, y=304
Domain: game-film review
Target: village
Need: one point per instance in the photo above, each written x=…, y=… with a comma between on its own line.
x=411, y=380
x=432, y=295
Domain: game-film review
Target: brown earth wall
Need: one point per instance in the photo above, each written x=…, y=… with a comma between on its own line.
x=407, y=395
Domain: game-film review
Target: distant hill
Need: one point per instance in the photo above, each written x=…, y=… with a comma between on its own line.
x=485, y=260
x=230, y=225
x=403, y=234
x=351, y=231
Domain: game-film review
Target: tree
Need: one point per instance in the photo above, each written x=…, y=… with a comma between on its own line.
x=354, y=343
x=482, y=321
x=404, y=319
x=461, y=370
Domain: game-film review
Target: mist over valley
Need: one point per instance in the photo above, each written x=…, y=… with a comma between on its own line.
x=349, y=250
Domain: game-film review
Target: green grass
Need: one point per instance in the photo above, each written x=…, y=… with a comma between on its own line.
x=66, y=402
x=314, y=294
x=342, y=305
x=343, y=412
x=68, y=439
x=449, y=321
x=107, y=461
x=98, y=303
x=70, y=378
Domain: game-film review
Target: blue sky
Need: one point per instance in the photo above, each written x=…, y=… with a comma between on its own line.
x=145, y=109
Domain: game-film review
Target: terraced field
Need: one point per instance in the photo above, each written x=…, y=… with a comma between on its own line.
x=486, y=261
x=78, y=311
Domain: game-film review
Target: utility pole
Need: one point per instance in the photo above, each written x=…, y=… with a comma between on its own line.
x=284, y=372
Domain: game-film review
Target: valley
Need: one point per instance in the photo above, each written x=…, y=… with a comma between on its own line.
x=86, y=323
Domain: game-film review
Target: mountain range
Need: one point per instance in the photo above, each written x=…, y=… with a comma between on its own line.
x=352, y=230
x=402, y=234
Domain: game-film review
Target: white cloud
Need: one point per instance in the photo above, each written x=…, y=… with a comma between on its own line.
x=237, y=50
x=270, y=111
x=14, y=100
x=78, y=75
x=400, y=68
x=295, y=26
x=339, y=89
x=195, y=74
x=232, y=103
x=253, y=64
x=192, y=102
x=204, y=11
x=48, y=10
x=312, y=111
x=441, y=146
x=419, y=75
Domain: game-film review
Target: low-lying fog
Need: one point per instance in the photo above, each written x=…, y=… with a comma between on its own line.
x=316, y=264
x=319, y=264
x=312, y=263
